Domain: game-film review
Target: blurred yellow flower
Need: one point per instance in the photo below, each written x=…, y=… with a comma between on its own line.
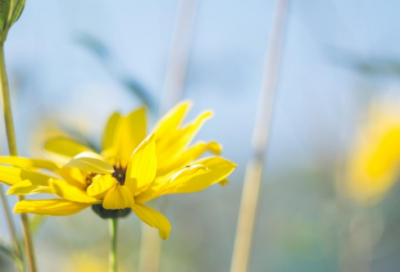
x=83, y=262
x=374, y=161
x=130, y=171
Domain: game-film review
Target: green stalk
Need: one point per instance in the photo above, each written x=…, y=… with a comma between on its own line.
x=10, y=223
x=18, y=262
x=113, y=246
x=12, y=146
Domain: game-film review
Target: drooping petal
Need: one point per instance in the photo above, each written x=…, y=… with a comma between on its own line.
x=172, y=119
x=65, y=148
x=142, y=166
x=55, y=207
x=217, y=170
x=100, y=185
x=26, y=187
x=153, y=219
x=91, y=162
x=30, y=163
x=187, y=156
x=131, y=131
x=119, y=197
x=109, y=132
x=71, y=193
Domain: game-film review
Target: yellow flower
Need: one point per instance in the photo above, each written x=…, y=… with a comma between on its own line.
x=120, y=180
x=123, y=134
x=374, y=161
x=83, y=262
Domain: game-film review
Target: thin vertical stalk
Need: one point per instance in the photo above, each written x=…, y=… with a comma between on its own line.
x=355, y=233
x=356, y=244
x=12, y=146
x=179, y=55
x=150, y=250
x=10, y=222
x=113, y=258
x=251, y=186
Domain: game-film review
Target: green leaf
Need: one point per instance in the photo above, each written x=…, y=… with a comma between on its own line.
x=9, y=252
x=6, y=249
x=36, y=222
x=4, y=11
x=10, y=11
x=17, y=10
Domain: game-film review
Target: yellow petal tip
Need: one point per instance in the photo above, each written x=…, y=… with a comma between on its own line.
x=16, y=210
x=187, y=103
x=163, y=235
x=224, y=182
x=214, y=147
x=207, y=114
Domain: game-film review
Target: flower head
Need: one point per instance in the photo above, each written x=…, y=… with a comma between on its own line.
x=374, y=161
x=131, y=169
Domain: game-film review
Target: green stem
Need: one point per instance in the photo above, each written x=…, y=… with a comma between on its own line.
x=8, y=118
x=18, y=262
x=11, y=224
x=12, y=146
x=113, y=246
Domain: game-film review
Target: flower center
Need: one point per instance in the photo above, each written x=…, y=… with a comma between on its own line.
x=89, y=178
x=119, y=174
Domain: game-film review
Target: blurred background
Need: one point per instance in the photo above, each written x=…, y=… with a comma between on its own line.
x=72, y=63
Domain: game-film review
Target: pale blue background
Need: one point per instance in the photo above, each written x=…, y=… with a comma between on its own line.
x=319, y=100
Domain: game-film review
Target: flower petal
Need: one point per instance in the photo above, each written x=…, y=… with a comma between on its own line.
x=142, y=166
x=162, y=184
x=30, y=163
x=71, y=193
x=131, y=131
x=182, y=159
x=119, y=197
x=217, y=170
x=153, y=218
x=100, y=185
x=65, y=148
x=74, y=177
x=54, y=207
x=91, y=162
x=26, y=187
x=174, y=144
x=109, y=132
x=12, y=175
x=172, y=119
